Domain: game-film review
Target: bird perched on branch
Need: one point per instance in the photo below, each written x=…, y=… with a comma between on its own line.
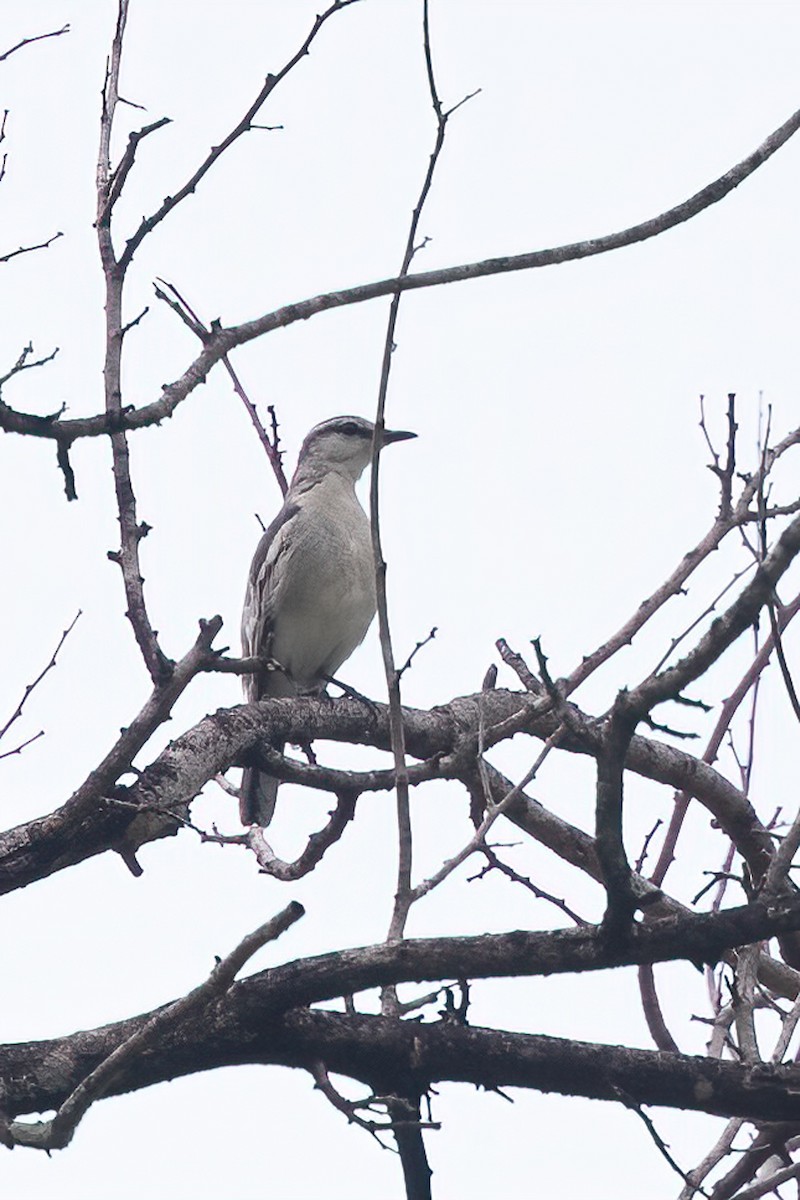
x=310, y=595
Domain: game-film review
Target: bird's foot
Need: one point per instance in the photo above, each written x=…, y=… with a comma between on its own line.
x=353, y=694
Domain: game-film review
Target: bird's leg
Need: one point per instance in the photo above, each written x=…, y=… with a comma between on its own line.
x=353, y=694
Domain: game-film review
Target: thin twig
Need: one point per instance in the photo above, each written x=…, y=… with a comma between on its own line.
x=243, y=126
x=646, y=846
x=180, y=305
x=372, y=1103
x=707, y=611
x=495, y=863
x=4, y=258
x=727, y=519
x=17, y=713
x=773, y=620
x=18, y=749
x=476, y=842
x=661, y=1145
x=40, y=37
x=23, y=364
x=419, y=646
x=403, y=895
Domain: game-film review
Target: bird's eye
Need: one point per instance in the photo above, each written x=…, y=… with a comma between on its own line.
x=350, y=428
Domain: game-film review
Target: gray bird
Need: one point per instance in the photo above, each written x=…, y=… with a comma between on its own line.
x=310, y=595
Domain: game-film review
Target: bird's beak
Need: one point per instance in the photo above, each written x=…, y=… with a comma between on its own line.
x=396, y=435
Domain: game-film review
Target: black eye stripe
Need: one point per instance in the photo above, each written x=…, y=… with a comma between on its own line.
x=350, y=429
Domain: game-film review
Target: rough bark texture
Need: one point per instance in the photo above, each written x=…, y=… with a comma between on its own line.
x=91, y=822
x=260, y=1021
x=389, y=1056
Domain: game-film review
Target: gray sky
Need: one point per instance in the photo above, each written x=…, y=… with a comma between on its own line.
x=559, y=475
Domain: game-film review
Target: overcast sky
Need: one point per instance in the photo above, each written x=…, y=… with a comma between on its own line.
x=558, y=476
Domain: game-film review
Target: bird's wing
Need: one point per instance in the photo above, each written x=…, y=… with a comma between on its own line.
x=257, y=613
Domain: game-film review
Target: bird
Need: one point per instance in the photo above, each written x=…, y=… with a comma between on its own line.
x=310, y=595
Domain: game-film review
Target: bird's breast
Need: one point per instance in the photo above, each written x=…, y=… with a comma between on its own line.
x=324, y=602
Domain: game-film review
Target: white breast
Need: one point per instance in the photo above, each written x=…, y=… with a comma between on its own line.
x=324, y=599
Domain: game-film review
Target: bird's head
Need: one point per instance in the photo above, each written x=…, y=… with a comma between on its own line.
x=342, y=444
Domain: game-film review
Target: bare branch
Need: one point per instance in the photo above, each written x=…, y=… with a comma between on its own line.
x=18, y=749
x=617, y=874
x=786, y=674
x=29, y=249
x=660, y=1144
x=495, y=863
x=120, y=173
x=180, y=305
x=770, y=1184
x=721, y=1148
x=726, y=520
x=40, y=37
x=447, y=737
x=318, y=843
x=58, y=1132
x=653, y=1014
x=419, y=646
x=244, y=125
x=729, y=709
x=726, y=629
x=17, y=713
x=25, y=363
x=404, y=897
x=225, y=339
x=519, y=667
x=54, y=847
x=256, y=1014
x=132, y=530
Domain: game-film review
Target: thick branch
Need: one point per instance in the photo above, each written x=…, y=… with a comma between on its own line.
x=85, y=826
x=89, y=823
x=245, y=1026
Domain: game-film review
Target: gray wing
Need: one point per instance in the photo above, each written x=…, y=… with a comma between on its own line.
x=258, y=610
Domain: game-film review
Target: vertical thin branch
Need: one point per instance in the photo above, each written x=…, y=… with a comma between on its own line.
x=410, y=1143
x=403, y=895
x=131, y=531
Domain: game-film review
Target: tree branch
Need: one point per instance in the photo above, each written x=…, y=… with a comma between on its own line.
x=226, y=339
x=243, y=1026
x=246, y=124
x=58, y=1132
x=40, y=37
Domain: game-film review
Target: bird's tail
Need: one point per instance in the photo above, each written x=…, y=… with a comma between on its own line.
x=257, y=796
